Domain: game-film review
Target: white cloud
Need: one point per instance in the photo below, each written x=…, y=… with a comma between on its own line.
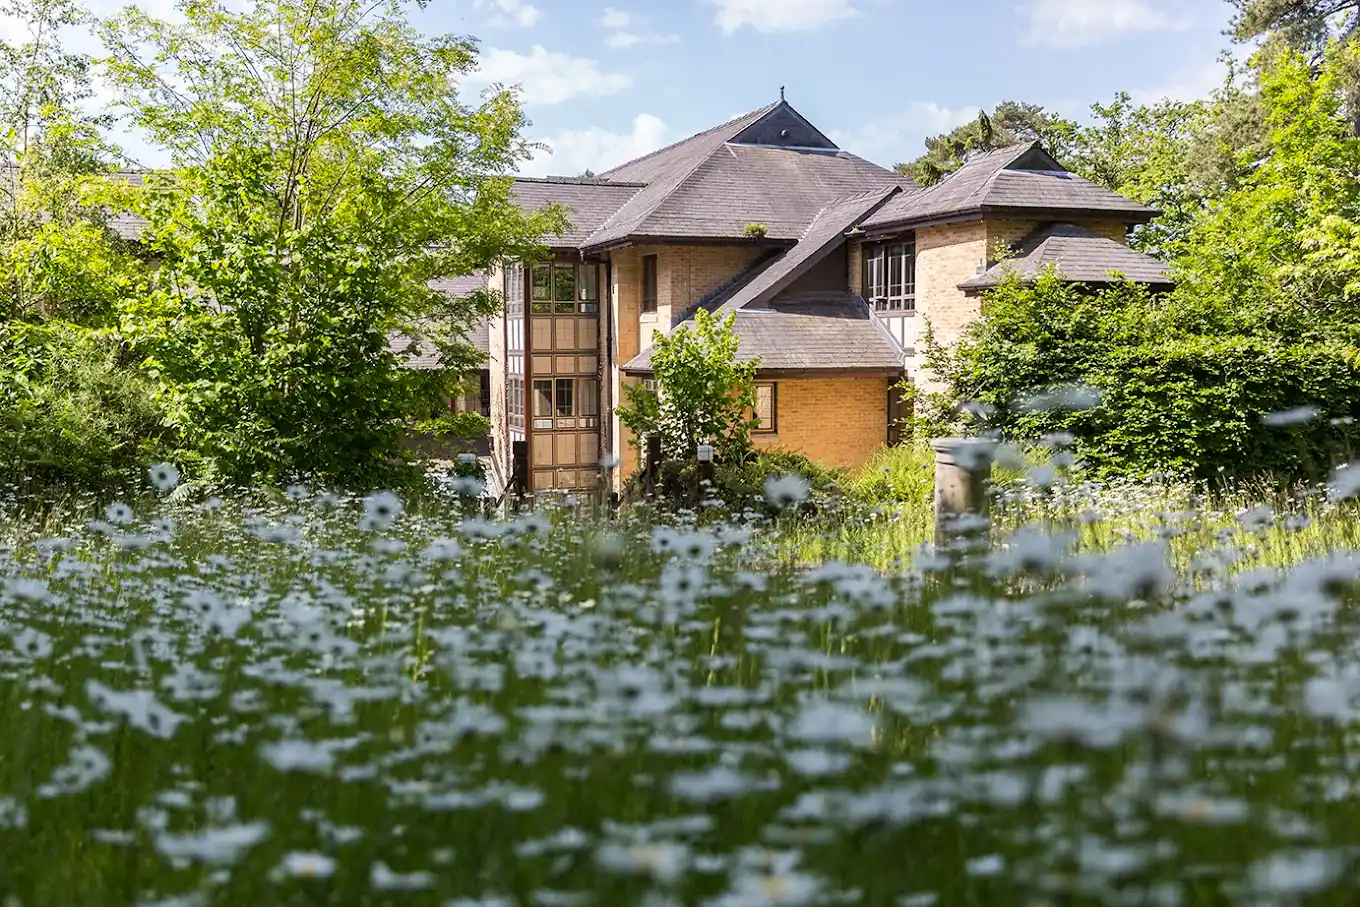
x=901, y=136
x=619, y=22
x=548, y=77
x=615, y=18
x=1189, y=84
x=624, y=39
x=596, y=149
x=1075, y=23
x=779, y=15
x=512, y=12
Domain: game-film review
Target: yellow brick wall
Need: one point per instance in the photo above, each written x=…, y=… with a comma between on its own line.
x=946, y=256
x=838, y=422
x=685, y=274
x=1011, y=232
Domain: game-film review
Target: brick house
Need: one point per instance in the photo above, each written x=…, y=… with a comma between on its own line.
x=829, y=263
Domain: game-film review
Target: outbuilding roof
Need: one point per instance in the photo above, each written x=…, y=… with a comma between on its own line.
x=1079, y=255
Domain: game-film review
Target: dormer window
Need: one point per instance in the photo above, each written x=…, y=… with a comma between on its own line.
x=890, y=276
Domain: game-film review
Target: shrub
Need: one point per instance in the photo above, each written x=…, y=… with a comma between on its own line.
x=897, y=475
x=1160, y=394
x=70, y=413
x=705, y=395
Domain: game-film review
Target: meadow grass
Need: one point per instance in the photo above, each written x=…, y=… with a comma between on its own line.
x=321, y=700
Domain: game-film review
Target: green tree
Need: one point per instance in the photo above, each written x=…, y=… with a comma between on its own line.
x=324, y=172
x=1306, y=27
x=704, y=396
x=58, y=259
x=1009, y=123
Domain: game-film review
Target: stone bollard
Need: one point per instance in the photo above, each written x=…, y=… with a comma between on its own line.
x=962, y=467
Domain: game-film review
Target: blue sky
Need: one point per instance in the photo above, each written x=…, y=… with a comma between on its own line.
x=607, y=81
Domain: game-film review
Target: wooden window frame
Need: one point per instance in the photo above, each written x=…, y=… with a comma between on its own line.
x=773, y=428
x=878, y=261
x=650, y=282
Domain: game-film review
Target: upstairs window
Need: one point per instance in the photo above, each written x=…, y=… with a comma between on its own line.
x=890, y=276
x=565, y=288
x=649, y=283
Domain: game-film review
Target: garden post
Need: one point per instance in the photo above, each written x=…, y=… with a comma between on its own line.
x=962, y=468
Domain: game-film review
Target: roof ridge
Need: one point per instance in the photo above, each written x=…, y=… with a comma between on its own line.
x=579, y=181
x=703, y=132
x=842, y=200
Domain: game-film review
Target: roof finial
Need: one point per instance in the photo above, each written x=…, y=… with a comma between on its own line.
x=781, y=92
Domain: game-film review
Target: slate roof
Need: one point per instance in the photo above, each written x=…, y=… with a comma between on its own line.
x=1079, y=255
x=736, y=185
x=825, y=331
x=589, y=201
x=1015, y=179
x=713, y=184
x=128, y=226
x=825, y=233
x=425, y=356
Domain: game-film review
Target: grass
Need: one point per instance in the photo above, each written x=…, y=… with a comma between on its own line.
x=261, y=703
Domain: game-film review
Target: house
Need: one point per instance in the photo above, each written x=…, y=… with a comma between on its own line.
x=830, y=265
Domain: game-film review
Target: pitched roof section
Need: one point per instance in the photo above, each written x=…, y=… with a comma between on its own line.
x=824, y=234
x=780, y=188
x=822, y=332
x=589, y=202
x=1021, y=177
x=685, y=154
x=425, y=356
x=1079, y=255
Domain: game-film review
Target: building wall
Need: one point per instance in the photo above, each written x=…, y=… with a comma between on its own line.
x=836, y=421
x=685, y=274
x=946, y=256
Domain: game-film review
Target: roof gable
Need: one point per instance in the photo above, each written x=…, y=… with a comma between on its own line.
x=1015, y=178
x=784, y=127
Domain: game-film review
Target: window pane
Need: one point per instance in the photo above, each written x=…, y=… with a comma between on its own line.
x=764, y=410
x=542, y=281
x=543, y=402
x=564, y=283
x=588, y=283
x=566, y=404
x=564, y=308
x=590, y=397
x=895, y=264
x=649, y=283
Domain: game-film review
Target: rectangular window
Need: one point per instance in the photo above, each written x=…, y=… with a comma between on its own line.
x=566, y=399
x=765, y=412
x=484, y=393
x=589, y=393
x=890, y=277
x=588, y=284
x=543, y=399
x=514, y=288
x=541, y=281
x=649, y=283
x=564, y=288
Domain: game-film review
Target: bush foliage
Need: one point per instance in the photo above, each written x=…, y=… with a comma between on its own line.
x=1251, y=365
